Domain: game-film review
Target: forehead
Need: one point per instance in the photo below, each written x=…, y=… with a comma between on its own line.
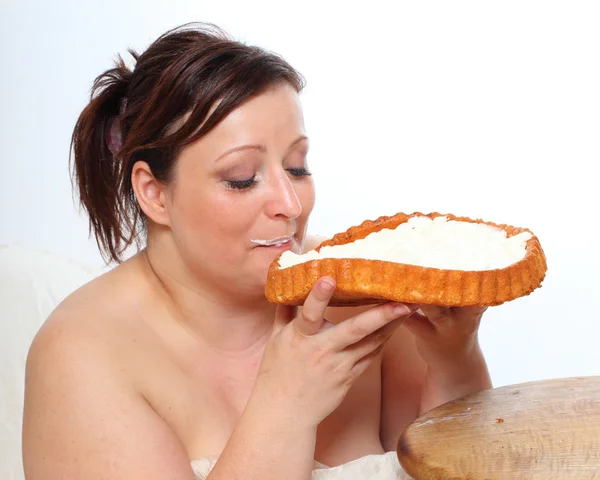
x=273, y=118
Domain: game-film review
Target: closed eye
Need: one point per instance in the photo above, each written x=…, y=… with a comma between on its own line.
x=299, y=172
x=251, y=182
x=242, y=184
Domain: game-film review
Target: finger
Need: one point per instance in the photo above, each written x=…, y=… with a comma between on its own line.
x=440, y=317
x=358, y=327
x=365, y=362
x=435, y=313
x=443, y=316
x=310, y=319
x=284, y=314
x=419, y=325
x=373, y=341
x=413, y=306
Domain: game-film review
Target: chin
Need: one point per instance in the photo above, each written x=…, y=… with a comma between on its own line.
x=254, y=279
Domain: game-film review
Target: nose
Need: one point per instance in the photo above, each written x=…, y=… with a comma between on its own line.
x=283, y=201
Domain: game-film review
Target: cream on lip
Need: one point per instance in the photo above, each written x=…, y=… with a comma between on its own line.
x=274, y=241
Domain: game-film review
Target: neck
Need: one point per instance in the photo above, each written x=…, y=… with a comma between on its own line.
x=224, y=320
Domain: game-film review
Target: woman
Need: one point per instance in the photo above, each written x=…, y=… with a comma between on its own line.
x=200, y=156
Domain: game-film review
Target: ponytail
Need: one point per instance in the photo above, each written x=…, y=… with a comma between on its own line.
x=97, y=171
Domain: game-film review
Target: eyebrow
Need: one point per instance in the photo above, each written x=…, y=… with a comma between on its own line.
x=260, y=147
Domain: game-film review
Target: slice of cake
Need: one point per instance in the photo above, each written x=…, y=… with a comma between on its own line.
x=430, y=259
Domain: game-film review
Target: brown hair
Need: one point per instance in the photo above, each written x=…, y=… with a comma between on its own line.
x=159, y=106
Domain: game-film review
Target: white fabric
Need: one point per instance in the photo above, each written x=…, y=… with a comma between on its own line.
x=32, y=283
x=371, y=467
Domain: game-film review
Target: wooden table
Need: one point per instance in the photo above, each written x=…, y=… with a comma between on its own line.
x=548, y=429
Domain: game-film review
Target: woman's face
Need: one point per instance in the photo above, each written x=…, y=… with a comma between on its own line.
x=243, y=193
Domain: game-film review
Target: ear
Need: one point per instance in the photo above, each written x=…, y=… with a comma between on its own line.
x=150, y=193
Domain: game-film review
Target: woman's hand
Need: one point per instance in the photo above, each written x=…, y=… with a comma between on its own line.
x=309, y=365
x=447, y=340
x=445, y=333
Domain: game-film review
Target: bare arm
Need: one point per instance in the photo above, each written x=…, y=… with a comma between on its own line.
x=269, y=446
x=411, y=386
x=464, y=375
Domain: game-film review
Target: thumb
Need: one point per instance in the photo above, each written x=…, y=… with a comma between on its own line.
x=311, y=316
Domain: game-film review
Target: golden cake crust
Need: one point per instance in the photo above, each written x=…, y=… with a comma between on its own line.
x=363, y=282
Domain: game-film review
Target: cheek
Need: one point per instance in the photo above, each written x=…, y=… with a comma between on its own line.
x=193, y=213
x=214, y=217
x=234, y=217
x=219, y=219
x=306, y=195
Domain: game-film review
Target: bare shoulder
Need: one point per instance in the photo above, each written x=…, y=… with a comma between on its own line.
x=83, y=416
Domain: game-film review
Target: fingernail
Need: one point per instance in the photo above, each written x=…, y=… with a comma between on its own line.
x=401, y=310
x=327, y=285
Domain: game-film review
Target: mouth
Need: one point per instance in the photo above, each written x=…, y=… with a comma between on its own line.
x=275, y=242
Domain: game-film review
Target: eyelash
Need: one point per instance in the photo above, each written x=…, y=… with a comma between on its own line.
x=299, y=172
x=247, y=184
x=242, y=184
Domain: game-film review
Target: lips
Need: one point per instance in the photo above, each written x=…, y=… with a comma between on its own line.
x=275, y=242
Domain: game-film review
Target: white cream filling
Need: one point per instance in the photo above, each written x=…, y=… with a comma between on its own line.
x=438, y=243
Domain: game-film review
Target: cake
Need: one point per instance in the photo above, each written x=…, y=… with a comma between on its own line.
x=437, y=259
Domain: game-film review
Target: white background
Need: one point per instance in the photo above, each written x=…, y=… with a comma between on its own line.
x=483, y=109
